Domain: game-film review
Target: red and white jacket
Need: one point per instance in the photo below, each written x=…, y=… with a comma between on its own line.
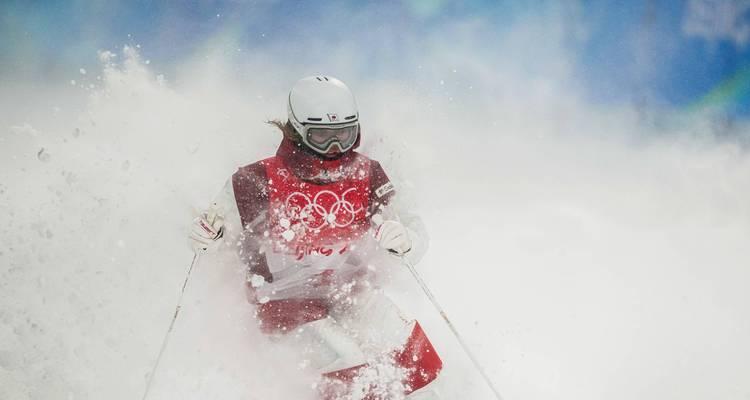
x=304, y=227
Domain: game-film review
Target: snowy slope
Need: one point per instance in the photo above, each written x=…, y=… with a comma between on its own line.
x=581, y=257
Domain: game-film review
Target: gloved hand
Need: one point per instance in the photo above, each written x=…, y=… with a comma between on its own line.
x=207, y=229
x=393, y=236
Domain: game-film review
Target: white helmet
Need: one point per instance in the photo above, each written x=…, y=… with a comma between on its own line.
x=323, y=111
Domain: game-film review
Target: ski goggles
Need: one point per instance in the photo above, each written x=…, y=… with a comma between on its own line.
x=322, y=138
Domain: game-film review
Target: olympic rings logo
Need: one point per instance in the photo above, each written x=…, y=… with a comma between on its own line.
x=313, y=215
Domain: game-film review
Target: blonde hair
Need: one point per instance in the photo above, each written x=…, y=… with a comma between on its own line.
x=286, y=128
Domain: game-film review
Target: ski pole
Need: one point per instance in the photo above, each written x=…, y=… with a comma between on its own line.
x=171, y=325
x=448, y=322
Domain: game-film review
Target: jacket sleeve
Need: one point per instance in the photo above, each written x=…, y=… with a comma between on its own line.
x=226, y=203
x=384, y=206
x=250, y=186
x=240, y=238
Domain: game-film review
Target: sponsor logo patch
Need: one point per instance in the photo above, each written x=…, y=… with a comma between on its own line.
x=384, y=190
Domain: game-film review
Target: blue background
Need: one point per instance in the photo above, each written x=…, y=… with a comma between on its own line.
x=631, y=52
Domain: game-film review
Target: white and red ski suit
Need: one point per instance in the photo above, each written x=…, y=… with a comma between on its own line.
x=304, y=226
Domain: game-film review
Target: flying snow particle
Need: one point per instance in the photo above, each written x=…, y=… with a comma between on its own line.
x=82, y=71
x=70, y=177
x=106, y=56
x=288, y=235
x=25, y=129
x=73, y=82
x=42, y=155
x=257, y=281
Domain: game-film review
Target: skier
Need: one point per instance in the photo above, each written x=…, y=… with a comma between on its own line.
x=313, y=224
